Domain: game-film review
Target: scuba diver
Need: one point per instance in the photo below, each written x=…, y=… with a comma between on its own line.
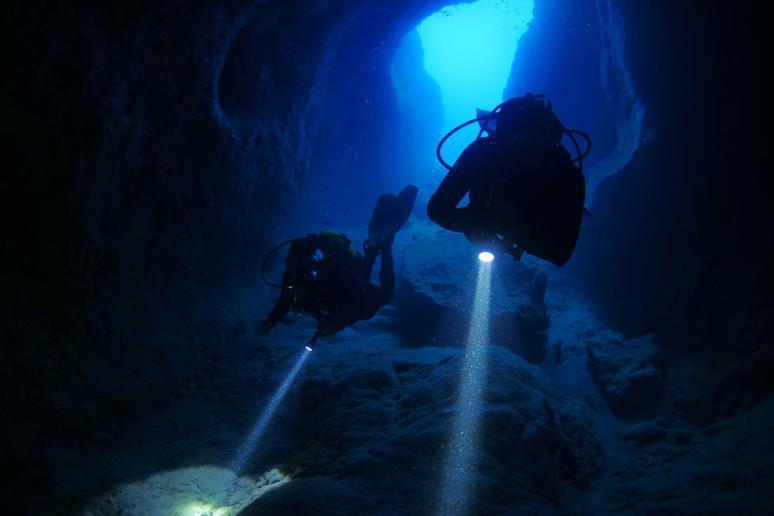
x=526, y=191
x=327, y=278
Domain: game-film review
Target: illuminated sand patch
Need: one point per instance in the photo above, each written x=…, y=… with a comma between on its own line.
x=197, y=491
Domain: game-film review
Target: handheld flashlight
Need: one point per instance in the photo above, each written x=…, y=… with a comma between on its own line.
x=486, y=256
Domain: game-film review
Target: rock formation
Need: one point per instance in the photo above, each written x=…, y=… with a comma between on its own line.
x=437, y=271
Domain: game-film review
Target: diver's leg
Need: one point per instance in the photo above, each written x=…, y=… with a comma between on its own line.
x=390, y=214
x=379, y=225
x=378, y=296
x=387, y=275
x=369, y=259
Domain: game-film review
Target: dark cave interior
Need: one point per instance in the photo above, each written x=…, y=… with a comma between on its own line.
x=157, y=150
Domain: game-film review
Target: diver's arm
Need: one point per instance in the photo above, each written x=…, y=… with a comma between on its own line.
x=442, y=207
x=280, y=310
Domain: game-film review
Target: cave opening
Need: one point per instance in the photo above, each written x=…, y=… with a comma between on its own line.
x=470, y=56
x=469, y=50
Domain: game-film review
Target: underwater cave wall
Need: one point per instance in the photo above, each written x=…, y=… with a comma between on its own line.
x=155, y=148
x=351, y=160
x=574, y=52
x=367, y=143
x=681, y=242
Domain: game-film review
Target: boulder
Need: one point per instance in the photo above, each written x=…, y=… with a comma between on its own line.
x=673, y=467
x=644, y=433
x=438, y=271
x=704, y=388
x=627, y=371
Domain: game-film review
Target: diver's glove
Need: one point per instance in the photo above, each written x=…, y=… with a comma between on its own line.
x=486, y=227
x=480, y=225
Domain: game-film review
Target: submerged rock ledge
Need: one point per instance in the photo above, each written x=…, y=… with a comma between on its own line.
x=437, y=281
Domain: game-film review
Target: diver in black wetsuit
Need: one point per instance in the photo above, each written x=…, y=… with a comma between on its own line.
x=327, y=278
x=526, y=191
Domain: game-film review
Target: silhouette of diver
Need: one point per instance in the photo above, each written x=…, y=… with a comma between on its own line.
x=327, y=278
x=526, y=191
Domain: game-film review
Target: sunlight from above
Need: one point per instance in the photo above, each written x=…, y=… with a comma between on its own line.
x=469, y=50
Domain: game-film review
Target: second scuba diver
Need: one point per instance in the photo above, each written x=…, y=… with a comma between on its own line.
x=526, y=191
x=327, y=278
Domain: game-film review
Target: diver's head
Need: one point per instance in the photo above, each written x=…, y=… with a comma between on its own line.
x=531, y=115
x=303, y=260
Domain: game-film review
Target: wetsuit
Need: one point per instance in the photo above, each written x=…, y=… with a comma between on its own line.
x=335, y=294
x=527, y=191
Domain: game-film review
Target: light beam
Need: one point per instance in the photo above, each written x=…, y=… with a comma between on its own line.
x=460, y=467
x=260, y=426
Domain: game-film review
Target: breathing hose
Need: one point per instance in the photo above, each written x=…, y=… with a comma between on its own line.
x=266, y=261
x=450, y=133
x=492, y=115
x=581, y=153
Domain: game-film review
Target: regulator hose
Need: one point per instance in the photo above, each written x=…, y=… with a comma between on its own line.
x=492, y=115
x=269, y=255
x=448, y=135
x=581, y=154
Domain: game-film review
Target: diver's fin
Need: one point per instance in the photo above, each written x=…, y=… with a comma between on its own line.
x=390, y=214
